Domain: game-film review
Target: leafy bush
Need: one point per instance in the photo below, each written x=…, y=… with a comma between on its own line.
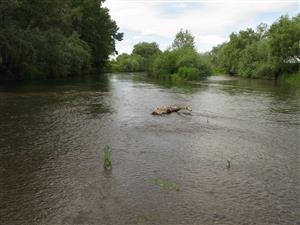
x=185, y=63
x=264, y=71
x=188, y=73
x=163, y=65
x=292, y=79
x=78, y=55
x=128, y=63
x=176, y=78
x=146, y=50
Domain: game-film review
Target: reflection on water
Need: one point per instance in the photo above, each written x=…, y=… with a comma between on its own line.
x=52, y=135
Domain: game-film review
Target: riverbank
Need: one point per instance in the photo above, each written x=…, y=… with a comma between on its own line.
x=292, y=79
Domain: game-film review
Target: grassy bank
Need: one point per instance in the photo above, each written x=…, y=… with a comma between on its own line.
x=292, y=79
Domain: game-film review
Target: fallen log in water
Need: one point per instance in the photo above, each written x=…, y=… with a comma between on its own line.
x=169, y=109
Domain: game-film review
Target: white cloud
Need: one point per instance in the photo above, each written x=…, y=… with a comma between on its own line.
x=210, y=22
x=124, y=47
x=205, y=42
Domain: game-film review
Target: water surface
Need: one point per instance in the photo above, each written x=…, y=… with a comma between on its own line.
x=52, y=135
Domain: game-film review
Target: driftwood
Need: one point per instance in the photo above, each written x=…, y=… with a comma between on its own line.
x=169, y=109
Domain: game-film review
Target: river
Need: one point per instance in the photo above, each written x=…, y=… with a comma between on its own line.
x=52, y=136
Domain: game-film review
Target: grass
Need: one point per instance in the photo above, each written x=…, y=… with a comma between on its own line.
x=165, y=184
x=292, y=79
x=107, y=163
x=218, y=72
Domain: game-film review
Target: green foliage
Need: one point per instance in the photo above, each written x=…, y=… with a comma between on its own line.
x=183, y=39
x=232, y=51
x=57, y=38
x=188, y=73
x=128, y=63
x=164, y=65
x=146, y=50
x=95, y=27
x=165, y=184
x=142, y=55
x=284, y=39
x=263, y=71
x=254, y=61
x=107, y=163
x=262, y=53
x=78, y=55
x=181, y=64
x=292, y=79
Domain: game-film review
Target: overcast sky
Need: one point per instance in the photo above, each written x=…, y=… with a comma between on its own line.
x=210, y=21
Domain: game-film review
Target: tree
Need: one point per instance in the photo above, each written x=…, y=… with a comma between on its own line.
x=48, y=39
x=262, y=30
x=129, y=63
x=184, y=39
x=254, y=61
x=181, y=64
x=32, y=38
x=146, y=50
x=95, y=26
x=284, y=39
x=261, y=53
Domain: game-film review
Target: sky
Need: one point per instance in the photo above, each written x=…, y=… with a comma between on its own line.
x=210, y=21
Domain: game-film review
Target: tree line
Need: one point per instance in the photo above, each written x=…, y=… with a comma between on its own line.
x=179, y=62
x=267, y=52
x=60, y=38
x=42, y=39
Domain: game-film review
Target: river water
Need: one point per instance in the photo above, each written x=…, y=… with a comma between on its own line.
x=52, y=135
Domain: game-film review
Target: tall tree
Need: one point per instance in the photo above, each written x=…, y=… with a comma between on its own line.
x=184, y=39
x=43, y=39
x=284, y=39
x=146, y=50
x=261, y=53
x=95, y=27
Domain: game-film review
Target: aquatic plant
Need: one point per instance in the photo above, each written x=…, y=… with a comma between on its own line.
x=165, y=184
x=107, y=163
x=228, y=164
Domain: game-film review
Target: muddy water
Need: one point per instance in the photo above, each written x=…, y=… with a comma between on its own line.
x=52, y=135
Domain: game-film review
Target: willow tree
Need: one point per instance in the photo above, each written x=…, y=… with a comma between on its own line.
x=57, y=38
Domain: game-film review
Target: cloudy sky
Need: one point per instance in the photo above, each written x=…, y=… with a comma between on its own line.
x=211, y=21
